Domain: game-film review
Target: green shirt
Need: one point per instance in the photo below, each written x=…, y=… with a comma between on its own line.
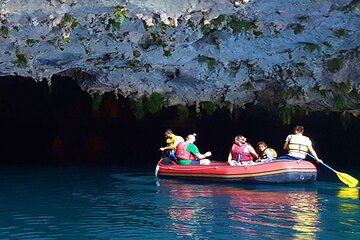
x=192, y=148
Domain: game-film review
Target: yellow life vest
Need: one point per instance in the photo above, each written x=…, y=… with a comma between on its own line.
x=298, y=144
x=170, y=141
x=264, y=155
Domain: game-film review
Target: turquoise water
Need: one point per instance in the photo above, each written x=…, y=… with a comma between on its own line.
x=113, y=203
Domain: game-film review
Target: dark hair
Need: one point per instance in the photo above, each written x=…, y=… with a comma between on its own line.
x=299, y=129
x=168, y=131
x=262, y=143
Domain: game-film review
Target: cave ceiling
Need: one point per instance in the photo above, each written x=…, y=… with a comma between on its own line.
x=288, y=54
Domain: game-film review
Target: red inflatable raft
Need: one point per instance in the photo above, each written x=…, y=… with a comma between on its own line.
x=277, y=171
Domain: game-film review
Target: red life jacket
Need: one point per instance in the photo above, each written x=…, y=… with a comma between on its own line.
x=181, y=152
x=238, y=154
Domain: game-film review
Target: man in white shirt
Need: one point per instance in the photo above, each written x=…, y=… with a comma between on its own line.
x=298, y=146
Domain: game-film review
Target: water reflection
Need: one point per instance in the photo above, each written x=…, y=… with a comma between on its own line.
x=347, y=192
x=249, y=213
x=188, y=210
x=348, y=208
x=305, y=211
x=287, y=212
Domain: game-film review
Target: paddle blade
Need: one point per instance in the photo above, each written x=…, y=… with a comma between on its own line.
x=347, y=179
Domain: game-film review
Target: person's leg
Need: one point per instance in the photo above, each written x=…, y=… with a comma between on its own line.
x=234, y=163
x=167, y=161
x=172, y=156
x=205, y=162
x=195, y=163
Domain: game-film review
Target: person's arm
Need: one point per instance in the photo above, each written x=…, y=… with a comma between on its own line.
x=313, y=153
x=195, y=151
x=174, y=145
x=168, y=147
x=202, y=156
x=165, y=148
x=286, y=144
x=252, y=151
x=285, y=147
x=269, y=154
x=229, y=157
x=171, y=147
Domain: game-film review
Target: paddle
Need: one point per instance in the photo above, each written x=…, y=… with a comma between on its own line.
x=345, y=178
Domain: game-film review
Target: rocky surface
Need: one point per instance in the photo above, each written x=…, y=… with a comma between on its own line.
x=295, y=54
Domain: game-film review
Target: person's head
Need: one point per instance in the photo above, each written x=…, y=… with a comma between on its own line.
x=168, y=133
x=191, y=138
x=239, y=139
x=262, y=146
x=299, y=130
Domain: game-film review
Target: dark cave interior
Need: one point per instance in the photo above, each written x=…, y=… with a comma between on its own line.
x=60, y=124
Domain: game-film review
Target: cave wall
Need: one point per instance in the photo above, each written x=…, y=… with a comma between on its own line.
x=63, y=124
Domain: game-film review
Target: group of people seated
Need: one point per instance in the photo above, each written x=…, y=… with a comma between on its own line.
x=185, y=152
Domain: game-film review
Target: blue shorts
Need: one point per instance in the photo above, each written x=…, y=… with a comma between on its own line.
x=195, y=163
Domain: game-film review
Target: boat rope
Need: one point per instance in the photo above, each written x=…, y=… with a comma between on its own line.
x=192, y=169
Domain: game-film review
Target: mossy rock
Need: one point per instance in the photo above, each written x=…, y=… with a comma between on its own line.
x=311, y=47
x=136, y=53
x=172, y=22
x=287, y=114
x=113, y=24
x=247, y=86
x=120, y=13
x=68, y=22
x=138, y=110
x=353, y=6
x=154, y=102
x=220, y=20
x=241, y=26
x=96, y=100
x=167, y=53
x=344, y=87
x=4, y=31
x=182, y=112
x=339, y=102
x=298, y=28
x=211, y=62
x=341, y=32
x=327, y=44
x=31, y=42
x=207, y=29
x=209, y=107
x=22, y=60
x=335, y=64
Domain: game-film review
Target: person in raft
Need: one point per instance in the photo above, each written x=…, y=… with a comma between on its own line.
x=265, y=153
x=298, y=146
x=187, y=153
x=172, y=141
x=241, y=152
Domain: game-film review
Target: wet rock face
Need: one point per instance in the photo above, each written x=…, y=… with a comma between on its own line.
x=287, y=54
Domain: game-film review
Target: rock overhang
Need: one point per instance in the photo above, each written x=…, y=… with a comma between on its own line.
x=293, y=54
